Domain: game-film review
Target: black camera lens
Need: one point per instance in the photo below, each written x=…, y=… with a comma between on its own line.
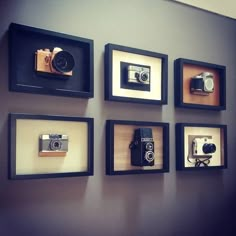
x=196, y=84
x=149, y=156
x=209, y=148
x=63, y=62
x=144, y=76
x=149, y=146
x=55, y=145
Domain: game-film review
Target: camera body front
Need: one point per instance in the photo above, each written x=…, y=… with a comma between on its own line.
x=203, y=147
x=138, y=74
x=142, y=148
x=57, y=62
x=53, y=144
x=202, y=84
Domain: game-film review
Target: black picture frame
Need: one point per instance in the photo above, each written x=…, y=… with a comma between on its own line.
x=18, y=170
x=122, y=130
x=24, y=41
x=185, y=133
x=115, y=90
x=184, y=69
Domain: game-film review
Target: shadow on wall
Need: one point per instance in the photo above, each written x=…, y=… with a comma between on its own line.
x=181, y=115
x=4, y=64
x=202, y=192
x=19, y=193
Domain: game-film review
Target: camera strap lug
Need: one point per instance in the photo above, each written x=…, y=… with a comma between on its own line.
x=133, y=144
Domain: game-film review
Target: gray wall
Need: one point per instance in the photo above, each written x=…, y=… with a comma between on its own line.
x=174, y=203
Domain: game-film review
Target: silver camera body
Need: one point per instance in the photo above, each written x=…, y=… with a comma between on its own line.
x=138, y=74
x=202, y=84
x=203, y=147
x=53, y=144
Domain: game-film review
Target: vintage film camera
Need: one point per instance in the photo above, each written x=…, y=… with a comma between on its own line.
x=202, y=84
x=142, y=148
x=53, y=144
x=139, y=74
x=203, y=147
x=57, y=62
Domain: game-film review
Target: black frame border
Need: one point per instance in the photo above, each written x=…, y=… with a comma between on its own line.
x=179, y=144
x=110, y=147
x=108, y=64
x=178, y=74
x=13, y=117
x=12, y=48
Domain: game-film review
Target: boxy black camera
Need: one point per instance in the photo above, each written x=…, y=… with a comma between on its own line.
x=142, y=148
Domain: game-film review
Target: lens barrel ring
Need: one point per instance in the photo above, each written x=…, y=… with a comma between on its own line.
x=63, y=62
x=149, y=156
x=55, y=144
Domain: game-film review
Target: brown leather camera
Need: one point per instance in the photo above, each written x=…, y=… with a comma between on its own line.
x=56, y=62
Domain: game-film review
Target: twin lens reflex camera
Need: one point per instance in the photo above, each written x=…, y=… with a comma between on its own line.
x=142, y=148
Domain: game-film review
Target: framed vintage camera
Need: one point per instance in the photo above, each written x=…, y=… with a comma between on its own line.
x=136, y=147
x=200, y=85
x=201, y=146
x=45, y=146
x=47, y=62
x=135, y=75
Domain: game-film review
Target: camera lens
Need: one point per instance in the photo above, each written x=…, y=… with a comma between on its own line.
x=63, y=62
x=197, y=84
x=149, y=156
x=209, y=84
x=55, y=145
x=149, y=146
x=144, y=76
x=209, y=148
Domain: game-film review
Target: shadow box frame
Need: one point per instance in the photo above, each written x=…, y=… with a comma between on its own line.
x=185, y=99
x=16, y=124
x=24, y=41
x=117, y=58
x=216, y=132
x=131, y=125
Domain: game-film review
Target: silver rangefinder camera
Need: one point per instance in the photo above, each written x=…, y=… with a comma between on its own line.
x=138, y=74
x=53, y=144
